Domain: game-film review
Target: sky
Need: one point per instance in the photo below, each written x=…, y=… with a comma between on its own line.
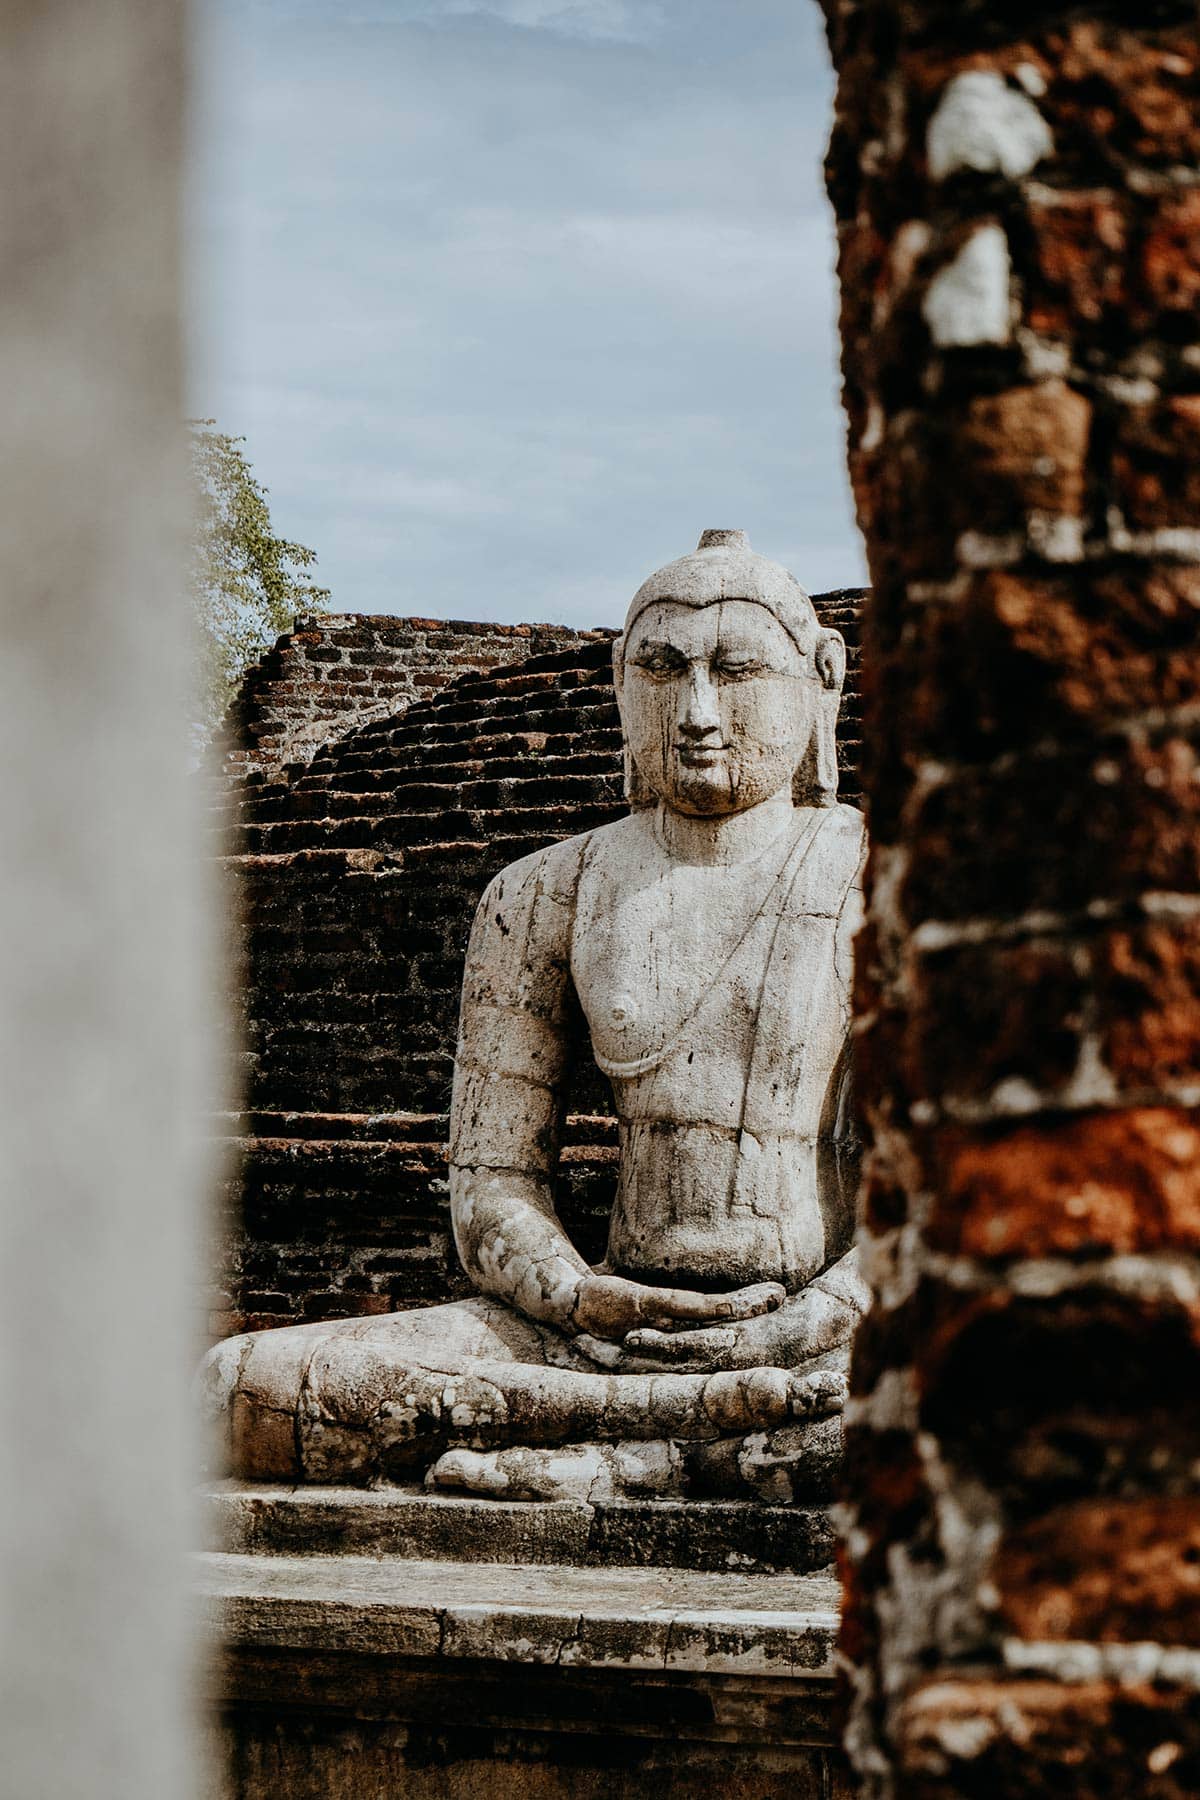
x=510, y=299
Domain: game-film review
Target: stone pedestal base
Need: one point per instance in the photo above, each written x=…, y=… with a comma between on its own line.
x=462, y=1675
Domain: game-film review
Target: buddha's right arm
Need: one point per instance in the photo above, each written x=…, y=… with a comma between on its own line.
x=508, y=1074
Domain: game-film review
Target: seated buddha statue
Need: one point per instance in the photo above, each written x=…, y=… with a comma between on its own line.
x=700, y=948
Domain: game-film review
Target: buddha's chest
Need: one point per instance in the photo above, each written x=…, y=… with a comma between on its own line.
x=652, y=957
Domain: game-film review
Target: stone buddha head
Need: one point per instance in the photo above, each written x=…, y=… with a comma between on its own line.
x=728, y=686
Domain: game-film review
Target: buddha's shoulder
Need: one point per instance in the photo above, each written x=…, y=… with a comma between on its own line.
x=554, y=872
x=830, y=865
x=835, y=873
x=844, y=837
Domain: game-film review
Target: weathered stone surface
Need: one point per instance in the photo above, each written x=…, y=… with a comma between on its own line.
x=668, y=1619
x=347, y=1675
x=704, y=941
x=736, y=1536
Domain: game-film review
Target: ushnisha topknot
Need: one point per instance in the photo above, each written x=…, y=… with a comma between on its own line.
x=724, y=567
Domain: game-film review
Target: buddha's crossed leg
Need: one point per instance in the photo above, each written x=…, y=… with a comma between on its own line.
x=473, y=1395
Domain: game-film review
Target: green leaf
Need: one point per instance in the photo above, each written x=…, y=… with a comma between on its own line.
x=247, y=584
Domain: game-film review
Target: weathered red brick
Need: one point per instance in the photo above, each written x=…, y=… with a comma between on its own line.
x=1029, y=791
x=1156, y=464
x=938, y=57
x=886, y=1339
x=963, y=1737
x=1116, y=1182
x=1115, y=1571
x=1057, y=831
x=1147, y=981
x=1079, y=261
x=1124, y=93
x=1020, y=659
x=913, y=521
x=1043, y=1007
x=1022, y=449
x=1169, y=260
x=1085, y=1394
x=885, y=1484
x=883, y=1202
x=1024, y=1023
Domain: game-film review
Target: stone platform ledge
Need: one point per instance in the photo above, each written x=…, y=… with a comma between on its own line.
x=726, y=1537
x=664, y=1620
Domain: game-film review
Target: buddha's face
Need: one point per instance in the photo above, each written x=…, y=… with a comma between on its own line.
x=718, y=705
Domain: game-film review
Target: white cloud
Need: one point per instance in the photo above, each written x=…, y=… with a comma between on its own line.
x=613, y=21
x=625, y=21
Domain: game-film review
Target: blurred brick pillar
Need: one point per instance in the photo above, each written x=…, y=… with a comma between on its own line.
x=1018, y=200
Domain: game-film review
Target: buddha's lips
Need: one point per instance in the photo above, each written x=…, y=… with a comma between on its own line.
x=700, y=756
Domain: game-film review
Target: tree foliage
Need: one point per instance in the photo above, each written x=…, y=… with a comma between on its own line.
x=247, y=584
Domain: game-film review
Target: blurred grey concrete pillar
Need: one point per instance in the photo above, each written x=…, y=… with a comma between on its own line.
x=104, y=1047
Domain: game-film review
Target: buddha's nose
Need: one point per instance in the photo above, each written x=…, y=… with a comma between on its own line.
x=699, y=714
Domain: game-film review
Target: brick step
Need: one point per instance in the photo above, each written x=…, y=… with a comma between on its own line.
x=504, y=759
x=557, y=735
x=518, y=679
x=422, y=1128
x=576, y=663
x=479, y=746
x=376, y=776
x=311, y=1004
x=400, y=829
x=316, y=1159
x=276, y=869
x=446, y=796
x=476, y=859
x=501, y=695
x=544, y=711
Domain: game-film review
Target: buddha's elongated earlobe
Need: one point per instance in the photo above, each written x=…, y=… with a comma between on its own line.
x=638, y=792
x=830, y=659
x=816, y=782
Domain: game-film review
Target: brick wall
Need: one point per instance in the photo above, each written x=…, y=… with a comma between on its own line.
x=1019, y=213
x=334, y=670
x=358, y=877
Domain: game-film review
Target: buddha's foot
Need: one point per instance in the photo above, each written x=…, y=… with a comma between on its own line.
x=589, y=1473
x=797, y=1463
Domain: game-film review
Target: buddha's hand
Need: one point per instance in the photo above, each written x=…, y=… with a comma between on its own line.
x=609, y=1307
x=817, y=1322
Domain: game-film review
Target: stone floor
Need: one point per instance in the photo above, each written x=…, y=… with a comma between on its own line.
x=390, y=1643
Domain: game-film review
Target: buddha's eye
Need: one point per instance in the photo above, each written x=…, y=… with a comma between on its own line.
x=660, y=659
x=737, y=668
